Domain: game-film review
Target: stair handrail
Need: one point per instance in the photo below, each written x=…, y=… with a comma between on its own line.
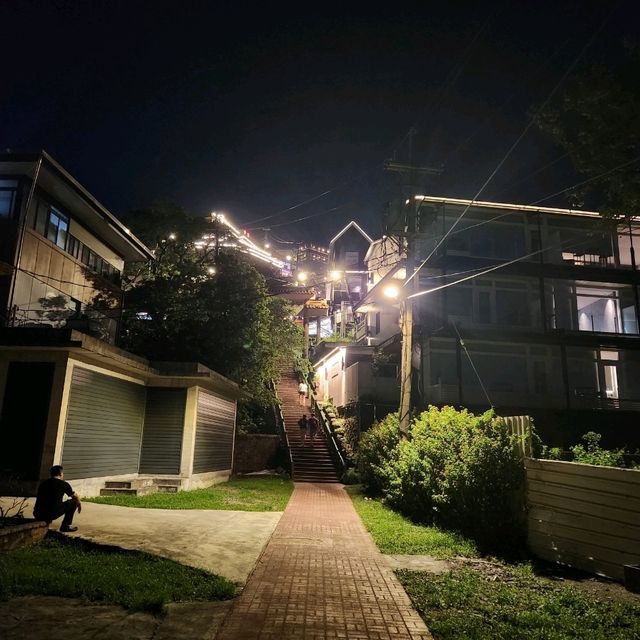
x=334, y=449
x=282, y=431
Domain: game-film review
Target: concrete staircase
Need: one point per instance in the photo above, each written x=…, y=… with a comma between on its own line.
x=311, y=463
x=140, y=486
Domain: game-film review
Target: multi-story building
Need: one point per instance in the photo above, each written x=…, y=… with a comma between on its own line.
x=61, y=251
x=528, y=309
x=311, y=260
x=68, y=395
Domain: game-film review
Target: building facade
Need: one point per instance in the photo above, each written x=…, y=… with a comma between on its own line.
x=61, y=252
x=68, y=395
x=527, y=309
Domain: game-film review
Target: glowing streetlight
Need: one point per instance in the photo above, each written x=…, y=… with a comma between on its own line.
x=391, y=291
x=172, y=236
x=288, y=258
x=212, y=271
x=302, y=276
x=336, y=275
x=267, y=245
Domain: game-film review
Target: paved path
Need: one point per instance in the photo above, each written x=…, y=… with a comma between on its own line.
x=321, y=576
x=227, y=543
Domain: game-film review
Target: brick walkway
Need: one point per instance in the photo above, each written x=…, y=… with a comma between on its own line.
x=321, y=576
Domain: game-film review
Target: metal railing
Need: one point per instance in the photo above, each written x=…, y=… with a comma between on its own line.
x=282, y=432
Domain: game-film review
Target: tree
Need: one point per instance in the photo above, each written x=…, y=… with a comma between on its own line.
x=597, y=121
x=195, y=304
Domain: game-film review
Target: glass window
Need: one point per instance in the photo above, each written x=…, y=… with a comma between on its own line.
x=512, y=308
x=73, y=246
x=8, y=195
x=57, y=228
x=484, y=307
x=460, y=301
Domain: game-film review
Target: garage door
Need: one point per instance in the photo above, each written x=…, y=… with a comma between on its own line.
x=214, y=433
x=104, y=426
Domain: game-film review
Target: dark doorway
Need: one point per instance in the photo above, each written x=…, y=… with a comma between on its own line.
x=24, y=418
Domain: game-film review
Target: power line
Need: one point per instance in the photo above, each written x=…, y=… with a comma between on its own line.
x=588, y=180
x=515, y=144
x=498, y=266
x=473, y=366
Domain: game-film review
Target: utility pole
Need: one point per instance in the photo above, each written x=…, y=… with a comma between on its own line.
x=412, y=178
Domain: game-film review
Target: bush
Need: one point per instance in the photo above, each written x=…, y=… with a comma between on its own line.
x=350, y=476
x=591, y=453
x=348, y=432
x=377, y=448
x=457, y=470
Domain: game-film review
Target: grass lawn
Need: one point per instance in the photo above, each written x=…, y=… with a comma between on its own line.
x=265, y=493
x=491, y=600
x=78, y=569
x=395, y=534
x=516, y=605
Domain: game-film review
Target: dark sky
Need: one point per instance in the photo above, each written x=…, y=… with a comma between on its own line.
x=254, y=108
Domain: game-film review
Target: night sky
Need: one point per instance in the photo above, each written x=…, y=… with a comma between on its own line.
x=253, y=109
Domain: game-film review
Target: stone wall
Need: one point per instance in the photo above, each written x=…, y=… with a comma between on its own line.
x=255, y=452
x=22, y=535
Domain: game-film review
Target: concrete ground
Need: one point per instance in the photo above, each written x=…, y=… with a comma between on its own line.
x=320, y=576
x=227, y=543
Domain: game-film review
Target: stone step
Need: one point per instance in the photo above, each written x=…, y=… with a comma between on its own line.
x=174, y=482
x=167, y=488
x=113, y=491
x=112, y=484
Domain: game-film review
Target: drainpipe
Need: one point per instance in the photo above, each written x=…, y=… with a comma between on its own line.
x=636, y=299
x=18, y=252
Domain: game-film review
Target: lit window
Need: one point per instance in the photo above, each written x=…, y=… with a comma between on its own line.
x=57, y=228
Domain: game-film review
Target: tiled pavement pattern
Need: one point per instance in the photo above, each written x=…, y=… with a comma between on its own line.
x=321, y=576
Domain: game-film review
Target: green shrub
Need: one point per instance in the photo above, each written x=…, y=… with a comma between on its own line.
x=350, y=476
x=457, y=470
x=550, y=453
x=348, y=432
x=591, y=453
x=377, y=448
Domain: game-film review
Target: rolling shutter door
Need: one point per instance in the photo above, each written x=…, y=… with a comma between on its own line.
x=163, y=429
x=104, y=426
x=214, y=433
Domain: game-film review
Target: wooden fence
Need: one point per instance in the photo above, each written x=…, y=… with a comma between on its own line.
x=584, y=516
x=520, y=426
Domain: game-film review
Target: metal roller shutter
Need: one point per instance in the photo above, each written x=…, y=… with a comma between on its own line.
x=104, y=426
x=214, y=433
x=163, y=429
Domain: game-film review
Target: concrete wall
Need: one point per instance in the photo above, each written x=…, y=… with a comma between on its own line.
x=254, y=452
x=584, y=516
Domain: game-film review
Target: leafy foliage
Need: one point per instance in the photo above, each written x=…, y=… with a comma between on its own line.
x=591, y=453
x=378, y=447
x=456, y=470
x=597, y=121
x=200, y=304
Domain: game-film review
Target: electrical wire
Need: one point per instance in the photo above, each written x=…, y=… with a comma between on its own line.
x=495, y=267
x=588, y=180
x=473, y=366
x=516, y=143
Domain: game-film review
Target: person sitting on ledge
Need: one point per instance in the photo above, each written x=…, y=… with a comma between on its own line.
x=50, y=504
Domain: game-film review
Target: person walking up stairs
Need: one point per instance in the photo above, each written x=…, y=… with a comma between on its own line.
x=310, y=463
